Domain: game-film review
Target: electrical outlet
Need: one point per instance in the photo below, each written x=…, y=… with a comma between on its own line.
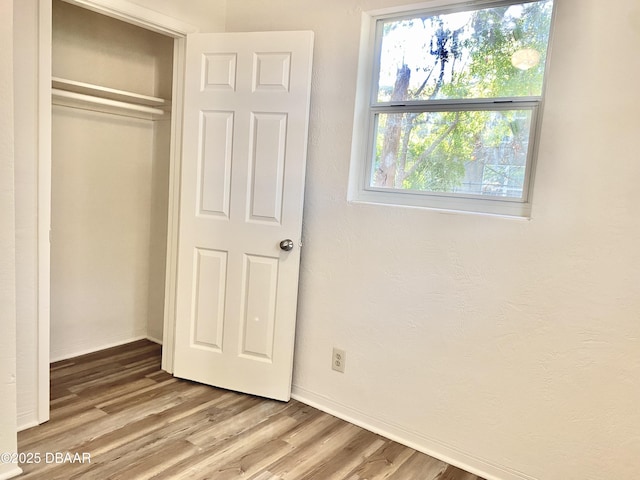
x=339, y=360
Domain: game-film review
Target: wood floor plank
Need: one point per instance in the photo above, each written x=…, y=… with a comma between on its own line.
x=33, y=438
x=157, y=461
x=313, y=452
x=134, y=444
x=230, y=428
x=356, y=451
x=62, y=407
x=419, y=467
x=383, y=463
x=311, y=428
x=455, y=473
x=229, y=449
x=138, y=422
x=254, y=461
x=206, y=466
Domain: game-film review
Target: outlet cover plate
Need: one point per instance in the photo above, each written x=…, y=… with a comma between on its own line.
x=338, y=360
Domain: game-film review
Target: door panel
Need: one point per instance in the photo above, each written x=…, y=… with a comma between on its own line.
x=243, y=164
x=268, y=135
x=210, y=292
x=259, y=313
x=216, y=136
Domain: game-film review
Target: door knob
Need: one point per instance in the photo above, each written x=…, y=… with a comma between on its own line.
x=286, y=245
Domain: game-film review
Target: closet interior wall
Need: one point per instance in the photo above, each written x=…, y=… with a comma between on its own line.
x=110, y=169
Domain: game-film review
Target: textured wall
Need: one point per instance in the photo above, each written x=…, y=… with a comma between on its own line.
x=7, y=245
x=510, y=346
x=100, y=230
x=206, y=15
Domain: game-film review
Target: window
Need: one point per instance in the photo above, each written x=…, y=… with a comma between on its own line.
x=450, y=114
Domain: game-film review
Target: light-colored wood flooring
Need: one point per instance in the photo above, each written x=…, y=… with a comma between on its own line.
x=138, y=422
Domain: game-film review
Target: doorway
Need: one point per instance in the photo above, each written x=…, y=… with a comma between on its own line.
x=111, y=143
x=34, y=93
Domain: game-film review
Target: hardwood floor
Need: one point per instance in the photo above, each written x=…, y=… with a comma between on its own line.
x=135, y=421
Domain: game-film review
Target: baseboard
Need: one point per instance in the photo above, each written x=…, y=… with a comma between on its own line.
x=412, y=439
x=9, y=471
x=154, y=340
x=26, y=424
x=65, y=356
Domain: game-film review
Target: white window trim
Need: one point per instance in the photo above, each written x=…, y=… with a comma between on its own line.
x=359, y=190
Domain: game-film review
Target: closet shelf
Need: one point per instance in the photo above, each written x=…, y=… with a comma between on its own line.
x=106, y=92
x=110, y=98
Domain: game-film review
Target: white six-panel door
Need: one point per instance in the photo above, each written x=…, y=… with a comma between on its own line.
x=243, y=166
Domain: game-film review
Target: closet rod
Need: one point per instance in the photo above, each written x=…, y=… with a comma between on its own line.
x=56, y=92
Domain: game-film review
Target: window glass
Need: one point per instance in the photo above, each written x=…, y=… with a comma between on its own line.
x=476, y=152
x=483, y=53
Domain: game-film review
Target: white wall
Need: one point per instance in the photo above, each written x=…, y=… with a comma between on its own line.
x=8, y=409
x=100, y=230
x=510, y=347
x=206, y=15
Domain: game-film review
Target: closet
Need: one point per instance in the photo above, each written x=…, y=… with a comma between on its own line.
x=111, y=93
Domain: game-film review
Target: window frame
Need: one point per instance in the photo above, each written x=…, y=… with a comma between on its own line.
x=368, y=107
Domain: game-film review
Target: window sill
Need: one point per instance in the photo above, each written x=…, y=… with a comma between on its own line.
x=442, y=204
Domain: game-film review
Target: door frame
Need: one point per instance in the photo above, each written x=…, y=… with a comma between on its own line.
x=149, y=20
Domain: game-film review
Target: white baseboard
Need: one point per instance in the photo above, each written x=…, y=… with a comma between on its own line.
x=9, y=471
x=24, y=424
x=412, y=439
x=77, y=353
x=154, y=340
